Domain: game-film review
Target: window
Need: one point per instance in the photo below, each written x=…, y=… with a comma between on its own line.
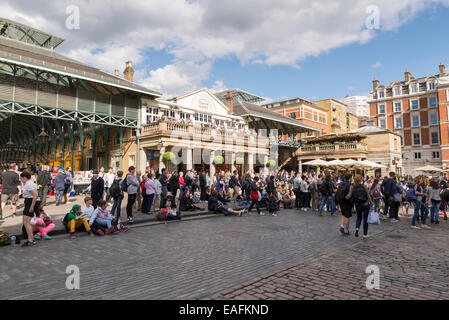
x=314, y=117
x=169, y=113
x=415, y=105
x=414, y=88
x=417, y=155
x=398, y=122
x=382, y=109
x=397, y=91
x=433, y=119
x=397, y=107
x=283, y=103
x=382, y=124
x=381, y=94
x=416, y=138
x=183, y=115
x=152, y=114
x=415, y=121
x=432, y=102
x=434, y=137
x=308, y=115
x=292, y=115
x=205, y=118
x=436, y=155
x=431, y=86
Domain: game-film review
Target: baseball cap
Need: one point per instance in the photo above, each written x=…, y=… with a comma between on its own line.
x=95, y=171
x=131, y=168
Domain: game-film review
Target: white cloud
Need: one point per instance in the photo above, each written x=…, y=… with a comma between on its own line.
x=378, y=64
x=218, y=86
x=197, y=32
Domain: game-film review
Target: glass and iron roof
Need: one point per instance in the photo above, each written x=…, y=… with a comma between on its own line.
x=239, y=95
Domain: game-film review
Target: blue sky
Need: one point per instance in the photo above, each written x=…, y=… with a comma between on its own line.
x=419, y=45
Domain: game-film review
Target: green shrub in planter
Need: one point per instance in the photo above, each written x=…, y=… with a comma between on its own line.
x=168, y=156
x=239, y=160
x=218, y=160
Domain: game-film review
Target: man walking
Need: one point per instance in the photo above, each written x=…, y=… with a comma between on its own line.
x=96, y=188
x=387, y=190
x=43, y=180
x=11, y=188
x=235, y=184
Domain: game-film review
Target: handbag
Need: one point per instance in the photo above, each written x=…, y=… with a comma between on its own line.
x=373, y=217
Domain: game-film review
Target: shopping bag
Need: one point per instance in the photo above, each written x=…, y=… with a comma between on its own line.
x=373, y=217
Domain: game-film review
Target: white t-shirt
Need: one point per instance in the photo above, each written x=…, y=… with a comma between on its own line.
x=108, y=179
x=27, y=188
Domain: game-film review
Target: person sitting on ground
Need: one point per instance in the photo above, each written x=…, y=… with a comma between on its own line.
x=207, y=193
x=273, y=203
x=103, y=218
x=196, y=198
x=287, y=199
x=170, y=206
x=222, y=197
x=88, y=209
x=186, y=203
x=75, y=219
x=217, y=206
x=42, y=224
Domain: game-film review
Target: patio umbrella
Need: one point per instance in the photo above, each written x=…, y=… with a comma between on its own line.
x=369, y=164
x=429, y=169
x=335, y=163
x=316, y=163
x=349, y=163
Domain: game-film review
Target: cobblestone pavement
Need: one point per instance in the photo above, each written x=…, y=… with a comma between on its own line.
x=181, y=260
x=413, y=264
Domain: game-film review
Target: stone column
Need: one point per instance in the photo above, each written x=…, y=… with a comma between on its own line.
x=161, y=161
x=211, y=165
x=250, y=161
x=265, y=160
x=299, y=165
x=189, y=159
x=233, y=167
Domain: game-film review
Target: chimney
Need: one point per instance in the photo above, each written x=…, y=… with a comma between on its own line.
x=230, y=102
x=117, y=73
x=375, y=84
x=129, y=71
x=408, y=76
x=442, y=69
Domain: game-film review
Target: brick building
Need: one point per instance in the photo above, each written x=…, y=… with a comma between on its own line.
x=306, y=112
x=417, y=110
x=339, y=119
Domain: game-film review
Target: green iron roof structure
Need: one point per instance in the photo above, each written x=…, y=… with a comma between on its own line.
x=239, y=95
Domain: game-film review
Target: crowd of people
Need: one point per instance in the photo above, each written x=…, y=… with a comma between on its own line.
x=170, y=194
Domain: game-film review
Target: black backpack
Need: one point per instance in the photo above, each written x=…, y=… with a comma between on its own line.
x=359, y=194
x=445, y=195
x=115, y=189
x=125, y=184
x=323, y=188
x=342, y=192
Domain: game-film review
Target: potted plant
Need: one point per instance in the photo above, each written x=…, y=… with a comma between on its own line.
x=271, y=163
x=218, y=160
x=168, y=156
x=239, y=160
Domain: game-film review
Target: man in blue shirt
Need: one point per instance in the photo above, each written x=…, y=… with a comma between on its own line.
x=164, y=183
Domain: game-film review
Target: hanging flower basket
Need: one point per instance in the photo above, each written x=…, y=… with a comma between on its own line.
x=271, y=163
x=239, y=160
x=218, y=160
x=168, y=156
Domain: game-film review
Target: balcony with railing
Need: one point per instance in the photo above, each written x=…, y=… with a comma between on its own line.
x=338, y=149
x=203, y=133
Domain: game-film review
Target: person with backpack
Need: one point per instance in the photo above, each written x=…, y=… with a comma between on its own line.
x=255, y=193
x=435, y=198
x=345, y=202
x=397, y=199
x=117, y=195
x=376, y=195
x=359, y=195
x=130, y=185
x=415, y=194
x=174, y=184
x=235, y=185
x=327, y=190
x=387, y=191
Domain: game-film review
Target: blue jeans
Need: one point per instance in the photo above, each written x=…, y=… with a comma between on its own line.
x=117, y=206
x=58, y=195
x=147, y=202
x=362, y=213
x=105, y=222
x=435, y=211
x=419, y=205
x=329, y=201
x=376, y=205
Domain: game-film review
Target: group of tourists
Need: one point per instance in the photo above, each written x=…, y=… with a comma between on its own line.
x=168, y=195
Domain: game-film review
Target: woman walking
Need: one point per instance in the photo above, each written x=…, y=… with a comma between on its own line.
x=419, y=205
x=29, y=192
x=376, y=195
x=359, y=194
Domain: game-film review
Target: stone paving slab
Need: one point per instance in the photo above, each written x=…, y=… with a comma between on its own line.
x=187, y=260
x=413, y=264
